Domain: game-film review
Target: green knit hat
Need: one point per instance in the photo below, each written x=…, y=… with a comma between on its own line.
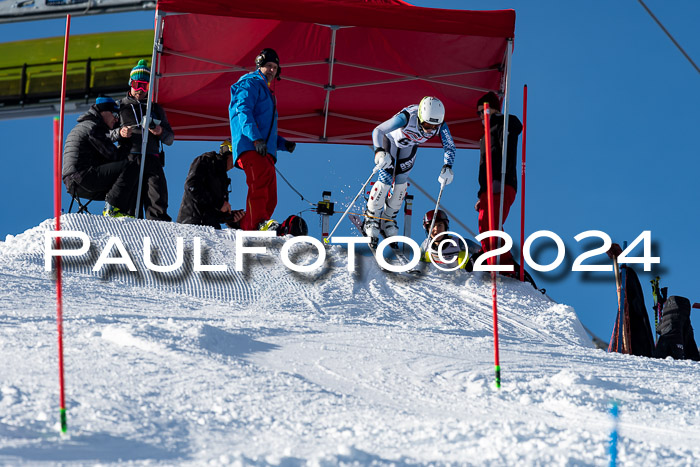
x=140, y=72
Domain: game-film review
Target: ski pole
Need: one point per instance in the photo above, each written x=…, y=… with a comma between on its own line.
x=328, y=239
x=452, y=217
x=293, y=189
x=522, y=188
x=622, y=331
x=655, y=295
x=614, y=336
x=437, y=205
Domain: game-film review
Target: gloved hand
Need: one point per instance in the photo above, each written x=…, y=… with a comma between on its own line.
x=446, y=175
x=382, y=159
x=290, y=146
x=260, y=147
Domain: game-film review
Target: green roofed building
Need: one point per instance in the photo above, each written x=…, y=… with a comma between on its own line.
x=30, y=71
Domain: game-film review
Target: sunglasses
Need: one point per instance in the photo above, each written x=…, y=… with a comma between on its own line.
x=115, y=115
x=139, y=85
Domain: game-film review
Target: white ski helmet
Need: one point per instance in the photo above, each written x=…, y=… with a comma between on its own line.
x=431, y=110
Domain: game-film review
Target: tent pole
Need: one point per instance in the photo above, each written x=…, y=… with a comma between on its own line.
x=522, y=187
x=509, y=52
x=329, y=87
x=156, y=65
x=146, y=121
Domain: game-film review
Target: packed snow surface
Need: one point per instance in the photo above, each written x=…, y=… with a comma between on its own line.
x=272, y=367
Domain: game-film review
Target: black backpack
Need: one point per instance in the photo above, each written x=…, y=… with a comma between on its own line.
x=293, y=225
x=675, y=331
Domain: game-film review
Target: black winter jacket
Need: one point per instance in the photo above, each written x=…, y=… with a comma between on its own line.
x=514, y=130
x=206, y=190
x=131, y=113
x=91, y=143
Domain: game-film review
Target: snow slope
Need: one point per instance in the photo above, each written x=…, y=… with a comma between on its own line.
x=272, y=367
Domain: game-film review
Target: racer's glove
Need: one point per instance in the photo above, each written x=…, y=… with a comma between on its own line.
x=382, y=159
x=446, y=175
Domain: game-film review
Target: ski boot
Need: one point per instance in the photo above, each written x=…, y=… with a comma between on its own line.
x=371, y=227
x=113, y=211
x=270, y=224
x=388, y=226
x=393, y=204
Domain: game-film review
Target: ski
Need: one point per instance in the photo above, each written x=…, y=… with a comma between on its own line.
x=398, y=254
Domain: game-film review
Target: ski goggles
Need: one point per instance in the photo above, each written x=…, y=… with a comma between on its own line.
x=428, y=126
x=137, y=85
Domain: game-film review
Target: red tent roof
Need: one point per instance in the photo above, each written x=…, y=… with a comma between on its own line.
x=386, y=54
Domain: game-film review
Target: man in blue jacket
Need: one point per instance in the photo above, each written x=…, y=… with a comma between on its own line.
x=254, y=139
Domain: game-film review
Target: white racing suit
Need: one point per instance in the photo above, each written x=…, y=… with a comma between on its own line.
x=400, y=137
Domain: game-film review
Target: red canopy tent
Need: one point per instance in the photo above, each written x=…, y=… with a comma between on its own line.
x=347, y=65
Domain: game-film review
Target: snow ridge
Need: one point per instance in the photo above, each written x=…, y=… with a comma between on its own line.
x=324, y=368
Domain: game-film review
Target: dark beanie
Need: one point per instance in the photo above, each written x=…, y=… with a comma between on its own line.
x=267, y=56
x=106, y=104
x=492, y=99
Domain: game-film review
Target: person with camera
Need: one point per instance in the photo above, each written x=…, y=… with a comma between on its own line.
x=93, y=167
x=132, y=110
x=205, y=199
x=254, y=138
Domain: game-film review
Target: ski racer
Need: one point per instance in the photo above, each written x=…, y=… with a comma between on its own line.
x=395, y=144
x=455, y=251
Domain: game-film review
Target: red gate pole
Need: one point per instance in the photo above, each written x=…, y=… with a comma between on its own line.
x=522, y=188
x=57, y=168
x=489, y=184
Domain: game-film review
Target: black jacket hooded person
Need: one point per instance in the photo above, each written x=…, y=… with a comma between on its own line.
x=132, y=109
x=93, y=167
x=496, y=122
x=206, y=191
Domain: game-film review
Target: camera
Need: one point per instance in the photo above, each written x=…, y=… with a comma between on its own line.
x=152, y=124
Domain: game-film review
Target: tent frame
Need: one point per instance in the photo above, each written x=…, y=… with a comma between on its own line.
x=398, y=77
x=157, y=47
x=158, y=50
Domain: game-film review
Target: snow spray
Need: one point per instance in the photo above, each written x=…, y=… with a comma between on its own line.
x=614, y=415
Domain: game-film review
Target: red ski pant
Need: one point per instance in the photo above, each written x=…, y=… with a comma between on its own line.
x=262, y=188
x=509, y=197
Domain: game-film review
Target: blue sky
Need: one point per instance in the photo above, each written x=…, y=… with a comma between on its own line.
x=612, y=144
